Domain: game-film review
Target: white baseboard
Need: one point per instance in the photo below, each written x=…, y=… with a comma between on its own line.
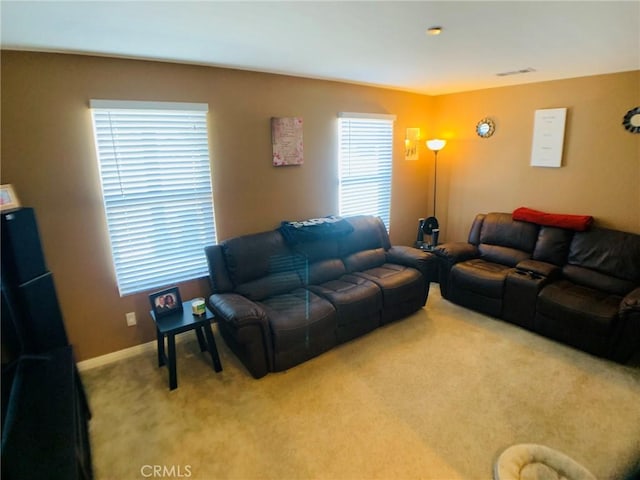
x=122, y=354
x=115, y=356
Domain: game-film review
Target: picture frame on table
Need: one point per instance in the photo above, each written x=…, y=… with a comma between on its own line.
x=166, y=302
x=8, y=198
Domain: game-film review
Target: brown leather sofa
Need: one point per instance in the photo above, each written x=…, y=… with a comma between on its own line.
x=579, y=288
x=279, y=303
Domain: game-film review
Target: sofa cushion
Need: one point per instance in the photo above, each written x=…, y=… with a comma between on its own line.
x=481, y=277
x=249, y=257
x=553, y=245
x=267, y=286
x=369, y=233
x=503, y=255
x=325, y=270
x=503, y=240
x=400, y=286
x=353, y=297
x=358, y=304
x=302, y=325
x=392, y=279
x=218, y=273
x=501, y=229
x=364, y=260
x=576, y=308
x=611, y=252
x=599, y=281
x=317, y=250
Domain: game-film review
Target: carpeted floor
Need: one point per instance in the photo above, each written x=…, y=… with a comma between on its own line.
x=438, y=395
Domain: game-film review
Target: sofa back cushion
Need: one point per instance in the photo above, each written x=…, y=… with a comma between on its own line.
x=253, y=256
x=501, y=229
x=502, y=255
x=218, y=274
x=369, y=233
x=476, y=228
x=506, y=241
x=325, y=270
x=317, y=250
x=553, y=245
x=364, y=260
x=604, y=259
x=273, y=284
x=597, y=280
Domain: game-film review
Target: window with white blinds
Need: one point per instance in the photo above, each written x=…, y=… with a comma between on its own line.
x=365, y=157
x=156, y=183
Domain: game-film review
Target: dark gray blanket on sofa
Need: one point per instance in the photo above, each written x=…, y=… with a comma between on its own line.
x=314, y=229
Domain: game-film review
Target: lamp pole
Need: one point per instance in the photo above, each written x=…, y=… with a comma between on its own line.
x=435, y=180
x=435, y=146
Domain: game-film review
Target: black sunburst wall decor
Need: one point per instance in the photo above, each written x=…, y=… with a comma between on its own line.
x=631, y=120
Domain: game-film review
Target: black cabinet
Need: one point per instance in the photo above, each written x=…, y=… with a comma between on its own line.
x=44, y=407
x=45, y=430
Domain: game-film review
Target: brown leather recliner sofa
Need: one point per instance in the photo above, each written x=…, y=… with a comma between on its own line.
x=581, y=288
x=279, y=303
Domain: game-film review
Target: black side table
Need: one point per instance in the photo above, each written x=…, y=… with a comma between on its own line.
x=170, y=325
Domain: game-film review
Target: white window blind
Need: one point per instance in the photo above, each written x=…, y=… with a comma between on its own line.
x=156, y=183
x=365, y=157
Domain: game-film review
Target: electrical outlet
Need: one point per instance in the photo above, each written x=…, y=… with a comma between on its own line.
x=131, y=319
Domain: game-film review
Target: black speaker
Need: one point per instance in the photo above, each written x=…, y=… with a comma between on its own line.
x=9, y=335
x=22, y=257
x=42, y=316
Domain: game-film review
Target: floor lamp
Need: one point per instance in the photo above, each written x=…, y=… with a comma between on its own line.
x=430, y=225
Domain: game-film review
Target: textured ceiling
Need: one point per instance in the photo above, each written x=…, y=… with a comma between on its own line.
x=372, y=43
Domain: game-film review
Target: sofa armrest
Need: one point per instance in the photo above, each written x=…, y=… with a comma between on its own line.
x=408, y=256
x=448, y=254
x=245, y=327
x=627, y=340
x=536, y=268
x=631, y=302
x=415, y=258
x=238, y=311
x=455, y=252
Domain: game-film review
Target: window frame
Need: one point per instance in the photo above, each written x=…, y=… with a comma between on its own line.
x=383, y=159
x=158, y=223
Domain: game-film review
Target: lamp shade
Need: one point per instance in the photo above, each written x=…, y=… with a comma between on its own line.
x=436, y=144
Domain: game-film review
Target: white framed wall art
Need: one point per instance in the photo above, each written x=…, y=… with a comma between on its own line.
x=548, y=137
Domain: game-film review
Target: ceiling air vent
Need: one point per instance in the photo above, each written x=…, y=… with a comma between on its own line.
x=516, y=72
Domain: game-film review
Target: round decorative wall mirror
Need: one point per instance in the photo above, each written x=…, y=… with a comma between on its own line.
x=485, y=128
x=631, y=120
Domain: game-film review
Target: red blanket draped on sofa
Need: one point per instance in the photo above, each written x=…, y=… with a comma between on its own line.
x=579, y=223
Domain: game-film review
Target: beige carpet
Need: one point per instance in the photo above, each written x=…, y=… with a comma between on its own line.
x=438, y=395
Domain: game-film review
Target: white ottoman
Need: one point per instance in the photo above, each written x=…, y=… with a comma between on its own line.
x=529, y=461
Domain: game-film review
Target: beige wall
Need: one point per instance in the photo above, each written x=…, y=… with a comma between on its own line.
x=600, y=173
x=48, y=155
